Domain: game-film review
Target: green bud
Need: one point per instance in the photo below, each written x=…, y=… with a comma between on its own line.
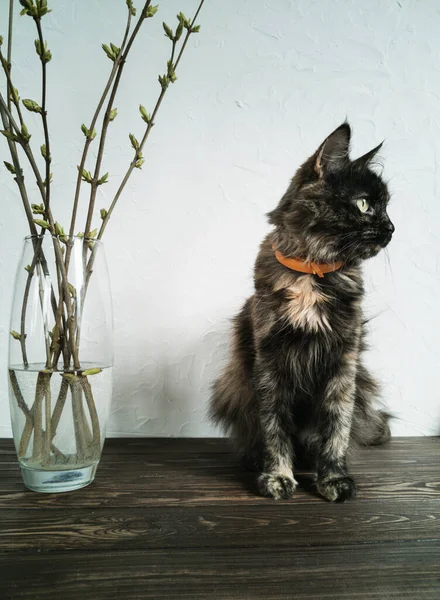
x=163, y=80
x=32, y=106
x=168, y=31
x=28, y=268
x=103, y=213
x=87, y=133
x=139, y=163
x=86, y=175
x=115, y=50
x=150, y=11
x=10, y=167
x=80, y=234
x=25, y=133
x=69, y=376
x=72, y=290
x=43, y=151
x=92, y=234
x=186, y=22
x=15, y=335
x=134, y=141
x=195, y=29
x=113, y=114
x=38, y=209
x=42, y=51
x=50, y=179
x=144, y=114
x=91, y=245
x=29, y=8
x=179, y=31
x=108, y=52
x=131, y=8
x=103, y=179
x=43, y=7
x=94, y=371
x=43, y=224
x=171, y=73
x=14, y=96
x=58, y=229
x=9, y=135
x=1, y=40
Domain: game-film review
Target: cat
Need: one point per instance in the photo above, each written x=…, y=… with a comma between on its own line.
x=295, y=385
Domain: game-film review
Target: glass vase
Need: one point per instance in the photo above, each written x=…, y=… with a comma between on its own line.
x=60, y=361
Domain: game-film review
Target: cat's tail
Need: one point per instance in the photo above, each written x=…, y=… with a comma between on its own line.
x=233, y=404
x=370, y=425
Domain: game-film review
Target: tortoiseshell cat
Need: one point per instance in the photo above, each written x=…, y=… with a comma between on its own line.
x=295, y=385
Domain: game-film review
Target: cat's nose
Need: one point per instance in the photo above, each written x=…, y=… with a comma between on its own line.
x=389, y=227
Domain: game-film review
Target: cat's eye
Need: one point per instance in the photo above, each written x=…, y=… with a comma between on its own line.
x=362, y=205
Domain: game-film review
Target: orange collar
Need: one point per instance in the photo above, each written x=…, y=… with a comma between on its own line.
x=314, y=268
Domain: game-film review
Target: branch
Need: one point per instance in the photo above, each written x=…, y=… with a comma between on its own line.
x=11, y=92
x=93, y=413
x=29, y=414
x=24, y=143
x=47, y=156
x=11, y=15
x=91, y=128
x=19, y=174
x=120, y=59
x=149, y=127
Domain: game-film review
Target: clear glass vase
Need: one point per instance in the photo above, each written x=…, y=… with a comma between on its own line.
x=60, y=361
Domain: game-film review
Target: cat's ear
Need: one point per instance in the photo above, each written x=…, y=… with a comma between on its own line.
x=332, y=155
x=363, y=161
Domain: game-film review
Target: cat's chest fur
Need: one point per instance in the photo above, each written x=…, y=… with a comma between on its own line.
x=314, y=307
x=305, y=306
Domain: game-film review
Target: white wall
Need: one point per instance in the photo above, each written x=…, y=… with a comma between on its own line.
x=259, y=88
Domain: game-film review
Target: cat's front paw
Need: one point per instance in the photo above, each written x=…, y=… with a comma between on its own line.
x=276, y=486
x=338, y=489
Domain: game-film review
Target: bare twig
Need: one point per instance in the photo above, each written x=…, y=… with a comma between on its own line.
x=59, y=406
x=148, y=129
x=47, y=420
x=91, y=128
x=10, y=95
x=10, y=21
x=28, y=413
x=93, y=413
x=121, y=58
x=34, y=266
x=37, y=412
x=47, y=156
x=78, y=418
x=26, y=148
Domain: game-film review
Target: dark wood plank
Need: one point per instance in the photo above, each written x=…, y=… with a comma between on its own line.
x=276, y=524
x=177, y=518
x=164, y=474
x=378, y=572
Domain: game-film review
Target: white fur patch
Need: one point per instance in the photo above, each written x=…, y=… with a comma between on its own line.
x=305, y=307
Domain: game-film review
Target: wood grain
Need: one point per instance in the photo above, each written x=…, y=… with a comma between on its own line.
x=366, y=572
x=180, y=519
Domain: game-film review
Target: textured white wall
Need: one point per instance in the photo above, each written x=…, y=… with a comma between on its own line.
x=258, y=90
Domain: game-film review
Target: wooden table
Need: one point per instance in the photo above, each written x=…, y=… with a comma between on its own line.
x=169, y=518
